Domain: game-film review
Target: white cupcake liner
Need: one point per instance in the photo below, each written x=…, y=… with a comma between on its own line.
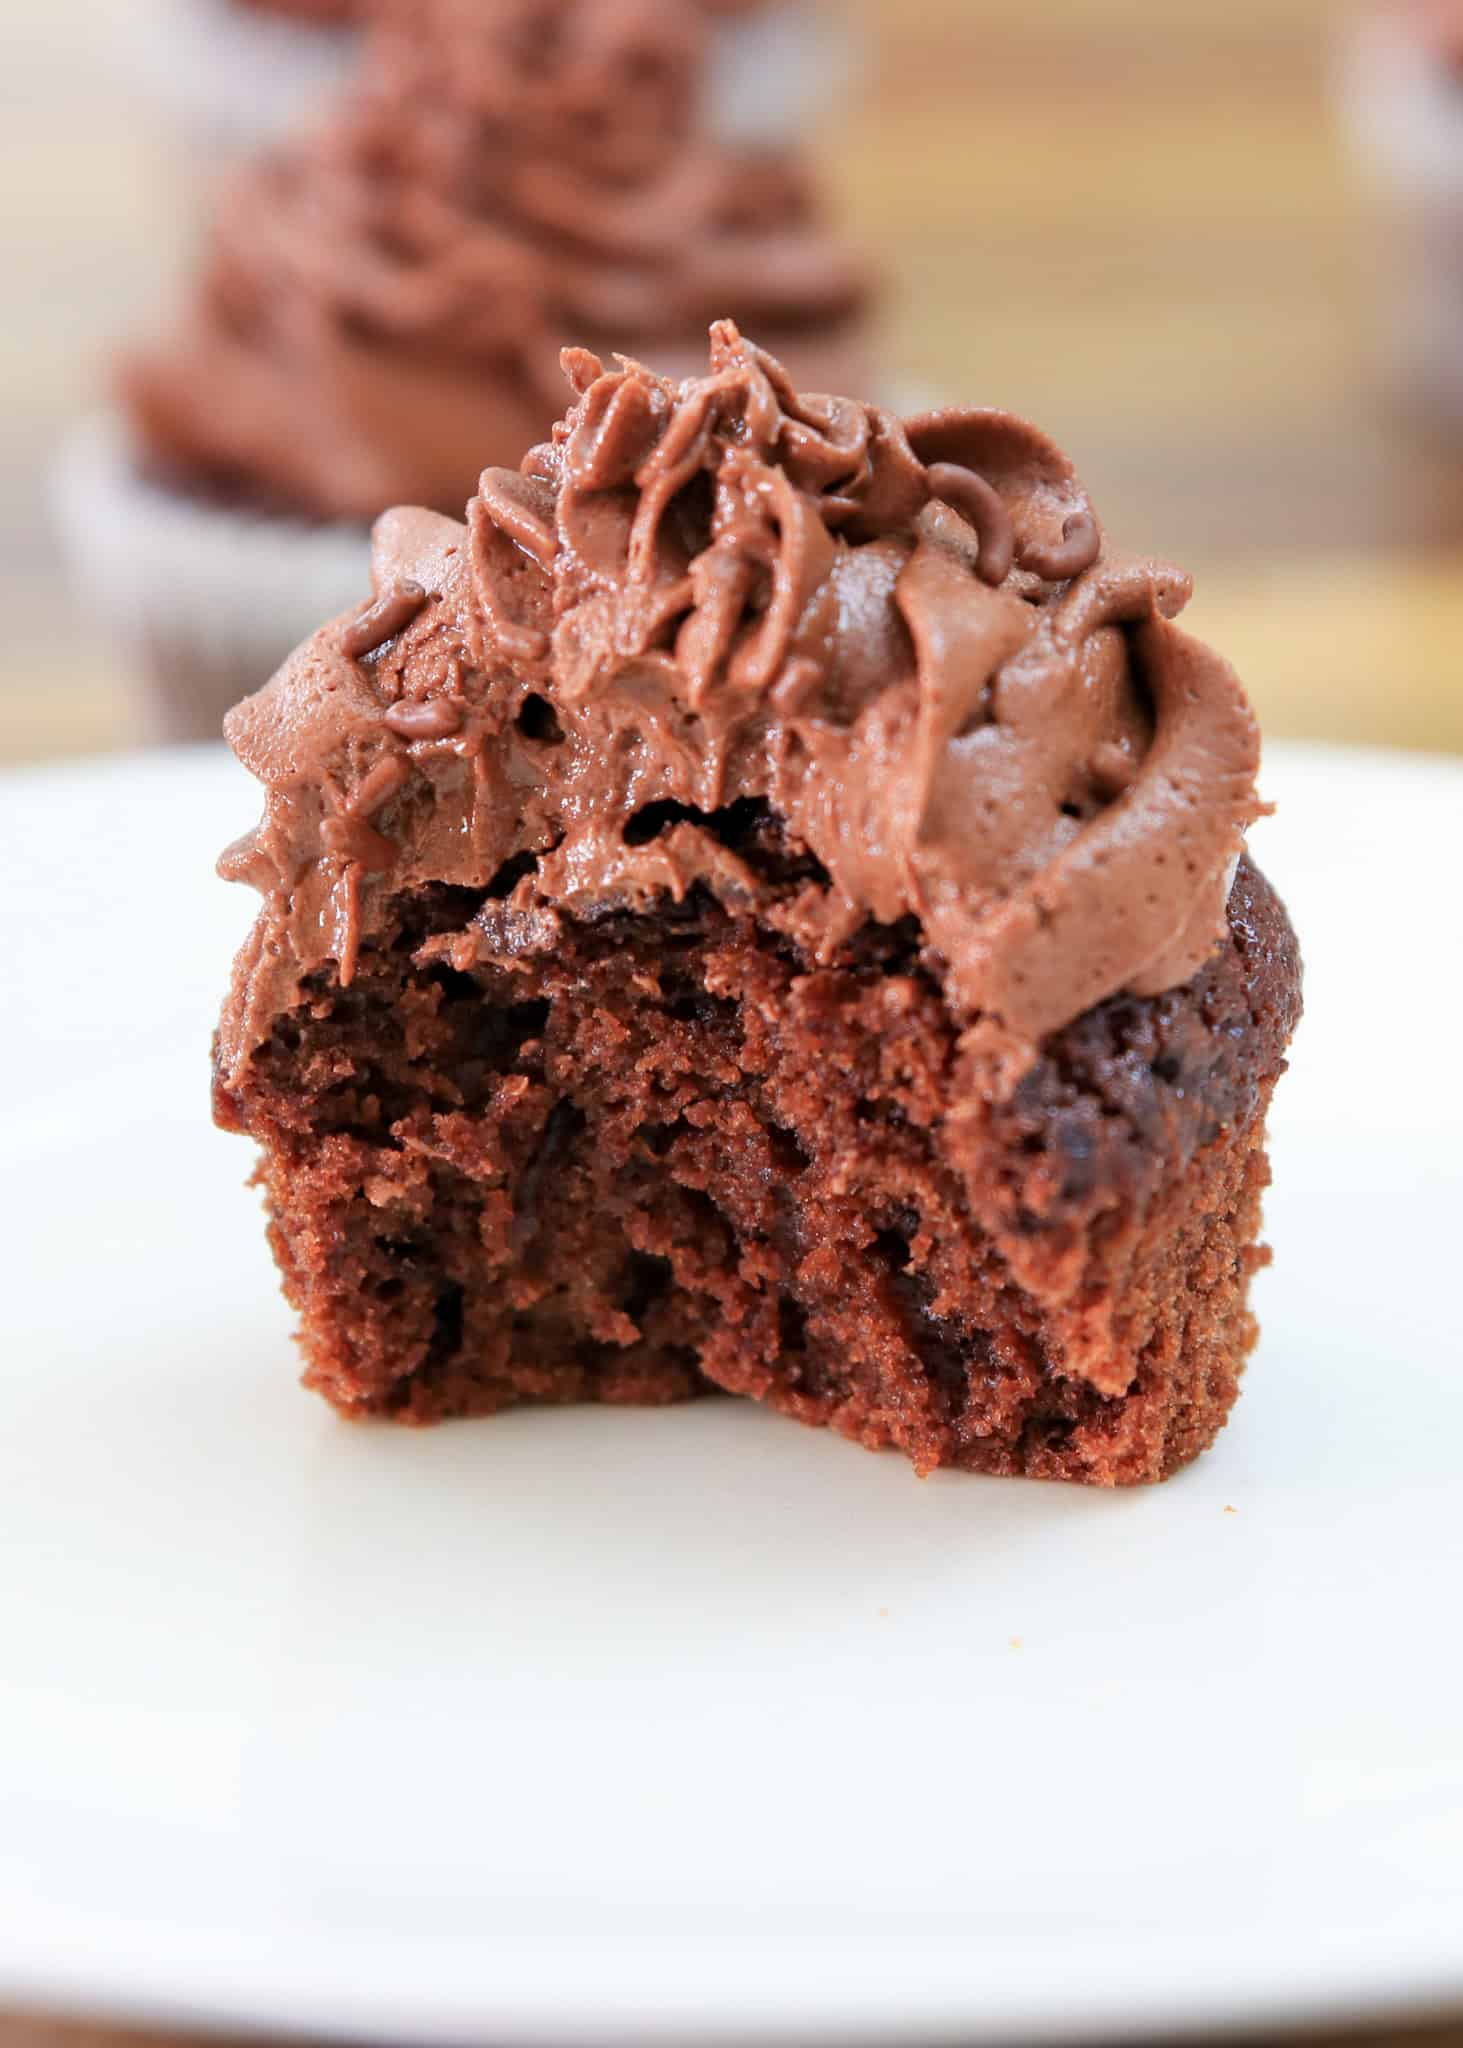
x=1402, y=115
x=204, y=601
x=775, y=71
x=232, y=80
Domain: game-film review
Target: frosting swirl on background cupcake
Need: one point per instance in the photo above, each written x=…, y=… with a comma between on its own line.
x=319, y=11
x=510, y=176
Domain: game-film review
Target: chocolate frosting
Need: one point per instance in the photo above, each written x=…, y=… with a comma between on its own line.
x=385, y=300
x=910, y=640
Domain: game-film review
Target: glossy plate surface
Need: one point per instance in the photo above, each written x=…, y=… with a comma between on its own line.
x=616, y=1727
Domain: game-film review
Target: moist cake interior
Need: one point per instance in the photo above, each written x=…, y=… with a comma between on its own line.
x=657, y=1154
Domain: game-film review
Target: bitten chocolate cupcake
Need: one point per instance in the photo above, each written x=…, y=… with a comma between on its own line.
x=383, y=304
x=763, y=907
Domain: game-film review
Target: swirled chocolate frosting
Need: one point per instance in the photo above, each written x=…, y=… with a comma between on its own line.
x=384, y=301
x=1438, y=24
x=910, y=641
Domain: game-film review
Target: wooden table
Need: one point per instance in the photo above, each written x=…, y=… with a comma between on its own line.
x=1127, y=218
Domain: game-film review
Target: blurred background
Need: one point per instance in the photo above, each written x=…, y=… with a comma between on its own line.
x=1134, y=222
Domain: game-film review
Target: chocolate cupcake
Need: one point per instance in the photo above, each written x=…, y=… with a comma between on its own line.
x=763, y=907
x=383, y=306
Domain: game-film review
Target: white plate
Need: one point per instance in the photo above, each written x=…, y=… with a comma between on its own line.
x=641, y=1727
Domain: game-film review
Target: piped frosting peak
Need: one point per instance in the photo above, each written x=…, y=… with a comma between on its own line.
x=908, y=641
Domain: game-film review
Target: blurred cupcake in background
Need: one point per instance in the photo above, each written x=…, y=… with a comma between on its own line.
x=236, y=75
x=383, y=303
x=1401, y=89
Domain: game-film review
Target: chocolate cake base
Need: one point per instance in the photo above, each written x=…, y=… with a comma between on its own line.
x=650, y=1156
